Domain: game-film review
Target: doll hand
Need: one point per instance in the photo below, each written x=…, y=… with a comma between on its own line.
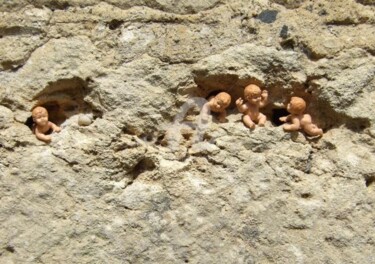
x=239, y=101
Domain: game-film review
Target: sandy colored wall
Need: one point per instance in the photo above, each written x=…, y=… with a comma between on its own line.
x=133, y=186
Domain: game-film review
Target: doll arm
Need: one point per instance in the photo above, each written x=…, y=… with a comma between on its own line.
x=222, y=116
x=240, y=105
x=284, y=118
x=54, y=127
x=295, y=125
x=42, y=137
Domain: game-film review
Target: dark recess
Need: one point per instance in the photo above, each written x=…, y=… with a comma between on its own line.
x=267, y=16
x=114, y=24
x=276, y=114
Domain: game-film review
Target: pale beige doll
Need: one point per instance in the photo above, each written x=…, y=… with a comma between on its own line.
x=41, y=124
x=218, y=104
x=298, y=120
x=256, y=98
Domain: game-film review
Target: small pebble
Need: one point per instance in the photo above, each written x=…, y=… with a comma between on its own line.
x=84, y=120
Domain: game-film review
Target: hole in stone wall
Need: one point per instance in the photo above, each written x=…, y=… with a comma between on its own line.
x=358, y=124
x=56, y=4
x=284, y=32
x=213, y=93
x=29, y=122
x=65, y=98
x=280, y=92
x=52, y=4
x=370, y=181
x=306, y=195
x=10, y=249
x=130, y=131
x=147, y=137
x=146, y=164
x=187, y=134
x=12, y=66
x=114, y=24
x=159, y=139
x=288, y=44
x=276, y=114
x=208, y=84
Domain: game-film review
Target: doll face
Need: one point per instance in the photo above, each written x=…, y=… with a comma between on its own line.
x=40, y=117
x=218, y=105
x=220, y=102
x=253, y=94
x=254, y=98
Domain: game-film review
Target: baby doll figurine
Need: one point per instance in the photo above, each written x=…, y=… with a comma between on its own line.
x=298, y=120
x=218, y=104
x=41, y=124
x=256, y=98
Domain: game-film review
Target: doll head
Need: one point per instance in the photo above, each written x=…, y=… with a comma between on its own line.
x=40, y=116
x=296, y=105
x=253, y=93
x=221, y=101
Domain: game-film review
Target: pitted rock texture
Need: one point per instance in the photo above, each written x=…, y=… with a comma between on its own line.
x=128, y=180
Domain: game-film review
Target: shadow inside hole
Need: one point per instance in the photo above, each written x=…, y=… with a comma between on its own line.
x=213, y=93
x=276, y=114
x=65, y=98
x=306, y=195
x=358, y=124
x=10, y=249
x=370, y=181
x=55, y=115
x=146, y=164
x=147, y=137
x=29, y=122
x=114, y=24
x=55, y=112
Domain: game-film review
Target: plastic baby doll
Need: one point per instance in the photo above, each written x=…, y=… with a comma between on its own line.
x=256, y=98
x=298, y=120
x=218, y=104
x=41, y=124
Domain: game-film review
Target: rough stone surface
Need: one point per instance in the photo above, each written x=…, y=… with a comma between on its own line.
x=126, y=181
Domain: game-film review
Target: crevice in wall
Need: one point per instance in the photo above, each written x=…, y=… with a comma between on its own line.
x=281, y=84
x=114, y=24
x=276, y=114
x=10, y=249
x=145, y=164
x=12, y=66
x=370, y=181
x=19, y=30
x=210, y=85
x=65, y=98
x=53, y=4
x=357, y=124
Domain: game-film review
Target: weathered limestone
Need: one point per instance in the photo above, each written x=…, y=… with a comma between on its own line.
x=126, y=181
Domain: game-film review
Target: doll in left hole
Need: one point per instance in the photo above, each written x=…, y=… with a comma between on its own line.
x=218, y=105
x=42, y=127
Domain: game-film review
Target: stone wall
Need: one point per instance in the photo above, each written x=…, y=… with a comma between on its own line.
x=129, y=189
